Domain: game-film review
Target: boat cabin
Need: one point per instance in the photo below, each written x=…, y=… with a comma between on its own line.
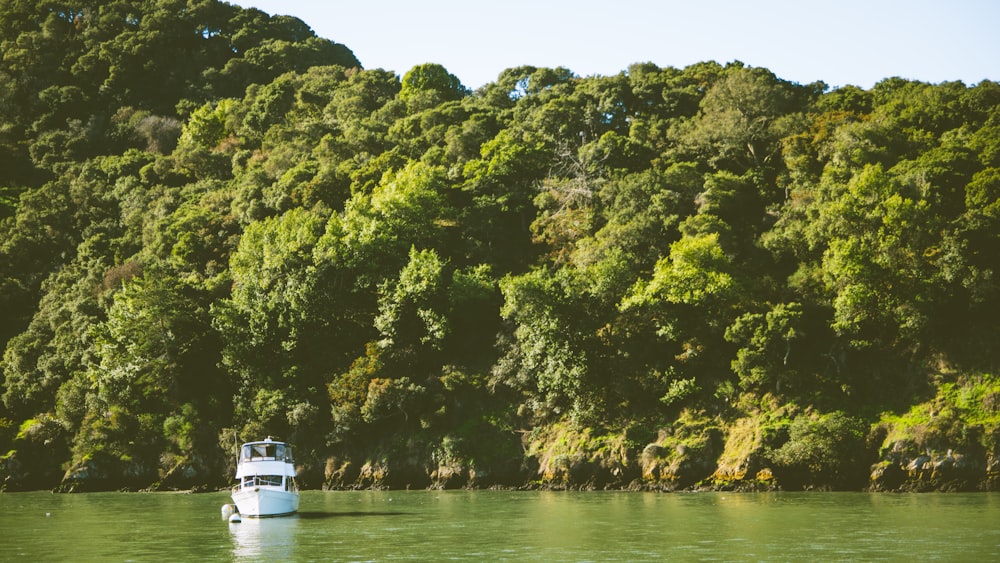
x=266, y=451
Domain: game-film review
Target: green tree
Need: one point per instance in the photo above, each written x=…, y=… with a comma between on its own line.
x=502, y=185
x=696, y=272
x=877, y=264
x=265, y=325
x=155, y=351
x=825, y=450
x=428, y=85
x=413, y=309
x=768, y=355
x=547, y=362
x=742, y=119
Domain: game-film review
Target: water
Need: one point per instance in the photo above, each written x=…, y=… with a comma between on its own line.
x=506, y=526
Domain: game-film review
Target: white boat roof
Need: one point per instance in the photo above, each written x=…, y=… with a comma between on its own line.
x=265, y=457
x=267, y=440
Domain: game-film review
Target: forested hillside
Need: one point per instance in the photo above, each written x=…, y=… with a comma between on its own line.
x=216, y=224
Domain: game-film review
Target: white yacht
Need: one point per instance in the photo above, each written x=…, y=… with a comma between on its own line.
x=265, y=478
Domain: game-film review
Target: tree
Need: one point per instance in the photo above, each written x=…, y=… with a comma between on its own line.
x=765, y=359
x=695, y=273
x=740, y=122
x=428, y=85
x=824, y=450
x=266, y=233
x=502, y=185
x=877, y=262
x=548, y=360
x=266, y=324
x=687, y=304
x=155, y=351
x=412, y=311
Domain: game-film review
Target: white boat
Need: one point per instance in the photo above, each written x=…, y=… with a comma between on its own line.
x=265, y=476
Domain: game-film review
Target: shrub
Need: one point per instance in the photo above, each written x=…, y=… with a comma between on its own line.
x=823, y=451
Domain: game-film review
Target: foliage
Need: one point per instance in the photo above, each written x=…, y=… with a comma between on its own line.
x=825, y=450
x=212, y=219
x=965, y=414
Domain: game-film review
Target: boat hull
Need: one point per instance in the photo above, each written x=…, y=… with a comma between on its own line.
x=264, y=502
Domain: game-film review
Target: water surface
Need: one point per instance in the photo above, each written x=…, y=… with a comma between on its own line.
x=506, y=526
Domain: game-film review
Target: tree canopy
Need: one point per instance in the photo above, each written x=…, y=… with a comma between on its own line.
x=213, y=221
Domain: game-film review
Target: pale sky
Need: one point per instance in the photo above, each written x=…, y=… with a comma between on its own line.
x=840, y=42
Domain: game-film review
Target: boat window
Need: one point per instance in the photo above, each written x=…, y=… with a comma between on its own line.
x=259, y=451
x=266, y=451
x=262, y=481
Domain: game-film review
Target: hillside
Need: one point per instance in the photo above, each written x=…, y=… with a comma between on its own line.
x=214, y=223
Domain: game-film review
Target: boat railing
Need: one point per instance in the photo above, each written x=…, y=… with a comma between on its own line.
x=259, y=481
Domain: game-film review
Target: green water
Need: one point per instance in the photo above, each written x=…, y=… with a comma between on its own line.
x=506, y=526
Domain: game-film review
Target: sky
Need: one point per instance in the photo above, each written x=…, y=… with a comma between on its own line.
x=839, y=42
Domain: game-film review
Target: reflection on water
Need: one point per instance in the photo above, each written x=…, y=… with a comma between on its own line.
x=265, y=538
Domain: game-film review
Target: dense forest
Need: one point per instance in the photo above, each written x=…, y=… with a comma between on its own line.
x=215, y=225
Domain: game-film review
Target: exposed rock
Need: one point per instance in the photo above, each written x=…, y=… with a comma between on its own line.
x=903, y=469
x=35, y=460
x=448, y=477
x=683, y=456
x=18, y=475
x=340, y=474
x=571, y=458
x=104, y=472
x=373, y=475
x=187, y=473
x=742, y=465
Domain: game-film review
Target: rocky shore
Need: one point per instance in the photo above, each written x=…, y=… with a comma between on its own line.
x=696, y=454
